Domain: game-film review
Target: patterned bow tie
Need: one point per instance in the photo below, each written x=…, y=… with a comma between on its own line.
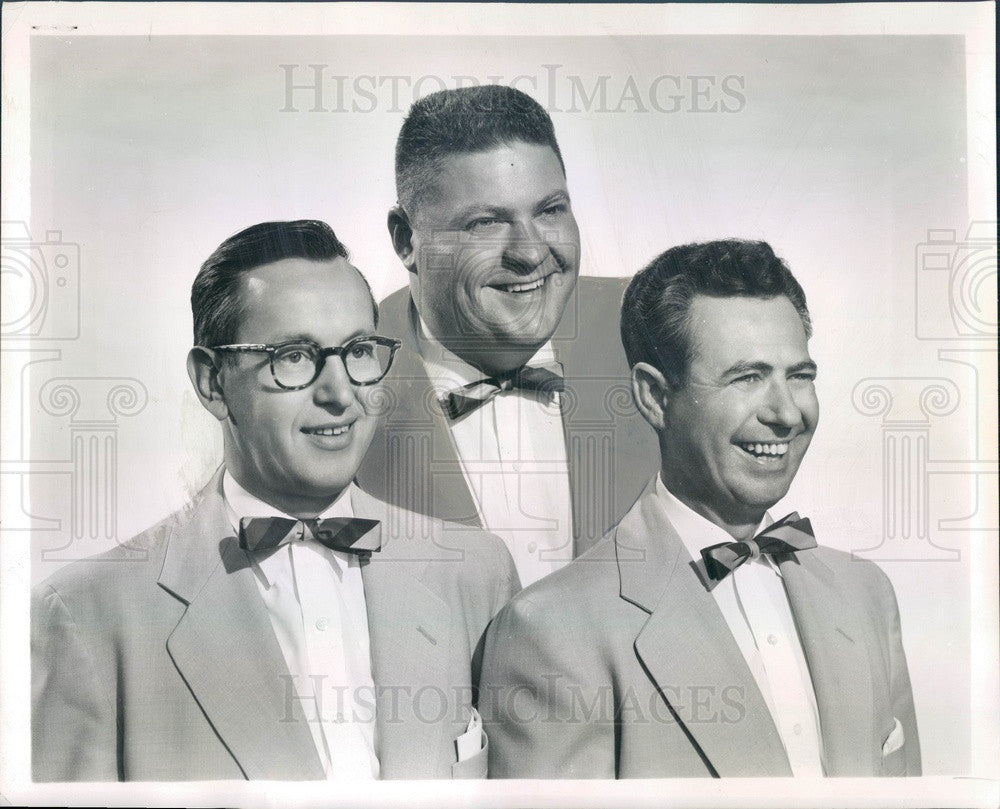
x=785, y=536
x=547, y=378
x=264, y=535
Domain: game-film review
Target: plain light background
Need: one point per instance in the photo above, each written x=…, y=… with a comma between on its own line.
x=147, y=151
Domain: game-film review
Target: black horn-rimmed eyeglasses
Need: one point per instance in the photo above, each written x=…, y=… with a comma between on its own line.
x=296, y=364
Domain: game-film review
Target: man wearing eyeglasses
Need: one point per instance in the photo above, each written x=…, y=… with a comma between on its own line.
x=287, y=625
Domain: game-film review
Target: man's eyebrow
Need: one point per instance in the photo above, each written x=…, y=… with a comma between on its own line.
x=805, y=365
x=745, y=366
x=472, y=211
x=487, y=209
x=292, y=337
x=560, y=195
x=303, y=337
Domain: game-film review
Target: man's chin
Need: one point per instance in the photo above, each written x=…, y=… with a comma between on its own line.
x=757, y=501
x=514, y=316
x=323, y=490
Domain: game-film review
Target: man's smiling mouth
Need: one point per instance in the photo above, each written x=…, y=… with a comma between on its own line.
x=528, y=286
x=525, y=286
x=328, y=431
x=765, y=450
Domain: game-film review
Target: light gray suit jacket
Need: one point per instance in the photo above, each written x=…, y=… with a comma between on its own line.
x=412, y=462
x=158, y=661
x=621, y=665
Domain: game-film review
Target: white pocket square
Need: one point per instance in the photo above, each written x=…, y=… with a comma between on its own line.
x=895, y=739
x=471, y=742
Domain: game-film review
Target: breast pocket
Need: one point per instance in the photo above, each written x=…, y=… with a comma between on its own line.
x=472, y=748
x=894, y=751
x=474, y=767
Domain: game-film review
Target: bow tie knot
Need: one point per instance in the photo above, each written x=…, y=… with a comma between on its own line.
x=348, y=534
x=547, y=378
x=789, y=534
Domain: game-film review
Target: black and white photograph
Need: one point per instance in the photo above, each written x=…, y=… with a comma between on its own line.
x=522, y=405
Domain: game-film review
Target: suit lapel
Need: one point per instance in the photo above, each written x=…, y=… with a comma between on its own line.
x=833, y=639
x=417, y=455
x=610, y=449
x=587, y=450
x=409, y=627
x=689, y=652
x=225, y=649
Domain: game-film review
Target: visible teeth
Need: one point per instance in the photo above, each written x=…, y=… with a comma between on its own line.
x=330, y=430
x=765, y=449
x=523, y=287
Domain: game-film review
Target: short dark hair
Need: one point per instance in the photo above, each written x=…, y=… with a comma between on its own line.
x=462, y=121
x=215, y=294
x=657, y=303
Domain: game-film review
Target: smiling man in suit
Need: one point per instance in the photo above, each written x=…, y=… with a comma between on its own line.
x=509, y=409
x=700, y=638
x=286, y=625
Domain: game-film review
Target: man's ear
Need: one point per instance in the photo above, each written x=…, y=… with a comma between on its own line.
x=204, y=374
x=401, y=234
x=650, y=390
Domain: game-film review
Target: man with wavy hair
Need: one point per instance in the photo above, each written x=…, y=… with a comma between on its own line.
x=701, y=637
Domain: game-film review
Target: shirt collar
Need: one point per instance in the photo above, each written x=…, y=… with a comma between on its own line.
x=240, y=503
x=695, y=531
x=448, y=371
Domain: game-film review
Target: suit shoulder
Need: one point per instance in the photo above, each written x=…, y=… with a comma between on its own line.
x=392, y=311
x=601, y=297
x=133, y=563
x=848, y=565
x=481, y=548
x=585, y=583
x=862, y=577
x=604, y=287
x=412, y=536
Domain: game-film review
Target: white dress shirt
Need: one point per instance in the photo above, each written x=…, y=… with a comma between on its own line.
x=755, y=606
x=513, y=455
x=315, y=599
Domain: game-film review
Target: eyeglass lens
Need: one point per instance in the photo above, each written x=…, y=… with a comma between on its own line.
x=297, y=364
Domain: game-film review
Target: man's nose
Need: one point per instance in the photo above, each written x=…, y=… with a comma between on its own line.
x=525, y=248
x=779, y=407
x=333, y=387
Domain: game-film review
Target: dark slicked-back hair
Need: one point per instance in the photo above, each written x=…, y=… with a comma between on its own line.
x=657, y=304
x=462, y=121
x=215, y=295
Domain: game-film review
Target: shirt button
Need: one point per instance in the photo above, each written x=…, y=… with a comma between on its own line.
x=532, y=547
x=797, y=730
x=772, y=639
x=322, y=624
